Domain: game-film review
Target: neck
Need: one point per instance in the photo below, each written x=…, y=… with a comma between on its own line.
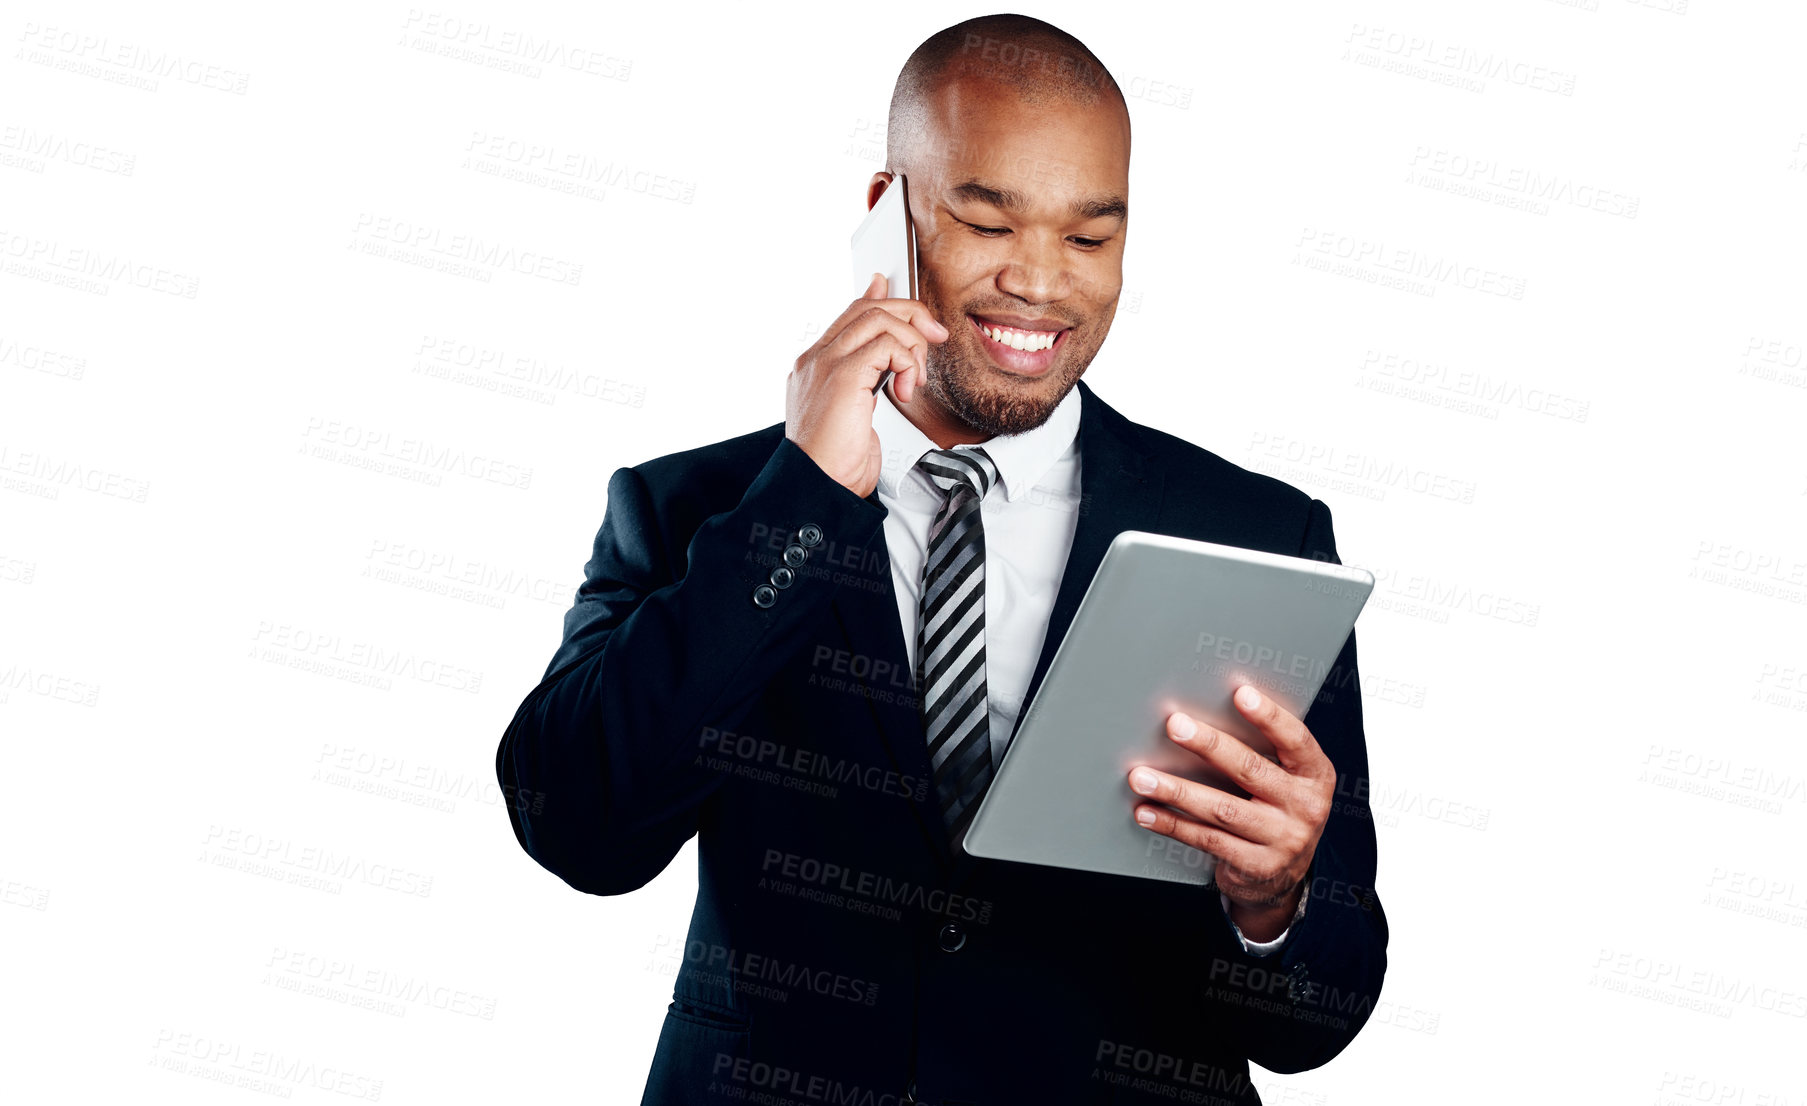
x=937, y=423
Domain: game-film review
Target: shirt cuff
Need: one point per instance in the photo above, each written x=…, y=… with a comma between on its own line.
x=1263, y=948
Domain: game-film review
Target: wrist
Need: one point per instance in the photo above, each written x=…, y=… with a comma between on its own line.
x=1266, y=921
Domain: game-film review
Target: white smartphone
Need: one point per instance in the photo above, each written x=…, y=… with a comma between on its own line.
x=886, y=243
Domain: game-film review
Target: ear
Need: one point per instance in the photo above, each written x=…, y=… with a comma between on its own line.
x=880, y=181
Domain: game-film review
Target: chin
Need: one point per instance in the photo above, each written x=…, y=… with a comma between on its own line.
x=995, y=401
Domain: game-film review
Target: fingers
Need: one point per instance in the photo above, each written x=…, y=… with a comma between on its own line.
x=907, y=320
x=855, y=326
x=1251, y=822
x=1250, y=770
x=1262, y=842
x=920, y=318
x=912, y=312
x=1226, y=847
x=877, y=331
x=1293, y=743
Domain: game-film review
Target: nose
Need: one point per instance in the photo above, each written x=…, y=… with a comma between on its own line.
x=1036, y=270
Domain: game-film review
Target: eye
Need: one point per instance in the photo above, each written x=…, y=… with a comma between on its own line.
x=989, y=232
x=1088, y=243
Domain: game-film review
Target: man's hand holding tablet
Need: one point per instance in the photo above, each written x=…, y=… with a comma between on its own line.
x=1166, y=740
x=1263, y=843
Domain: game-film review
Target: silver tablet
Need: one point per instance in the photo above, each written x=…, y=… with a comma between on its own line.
x=1167, y=624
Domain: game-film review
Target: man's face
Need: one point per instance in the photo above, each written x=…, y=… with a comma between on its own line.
x=1020, y=220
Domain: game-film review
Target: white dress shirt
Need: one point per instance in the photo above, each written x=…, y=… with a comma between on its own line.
x=1029, y=517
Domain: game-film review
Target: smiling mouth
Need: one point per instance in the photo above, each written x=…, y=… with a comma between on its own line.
x=1017, y=350
x=1026, y=341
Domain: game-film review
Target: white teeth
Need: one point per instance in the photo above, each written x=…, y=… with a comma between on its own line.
x=1026, y=340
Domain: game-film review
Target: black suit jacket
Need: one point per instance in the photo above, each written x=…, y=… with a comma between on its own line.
x=840, y=950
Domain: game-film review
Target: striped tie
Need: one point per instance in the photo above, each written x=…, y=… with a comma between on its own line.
x=950, y=634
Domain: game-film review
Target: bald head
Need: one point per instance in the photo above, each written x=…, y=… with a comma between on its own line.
x=1040, y=62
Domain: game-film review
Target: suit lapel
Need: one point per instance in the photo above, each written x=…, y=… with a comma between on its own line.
x=1118, y=492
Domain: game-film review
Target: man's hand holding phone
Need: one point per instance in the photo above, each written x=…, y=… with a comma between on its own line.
x=833, y=390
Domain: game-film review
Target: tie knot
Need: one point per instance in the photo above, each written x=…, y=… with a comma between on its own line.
x=949, y=468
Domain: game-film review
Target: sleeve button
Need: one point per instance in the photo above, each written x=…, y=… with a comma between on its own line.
x=810, y=535
x=765, y=595
x=795, y=555
x=1297, y=986
x=782, y=577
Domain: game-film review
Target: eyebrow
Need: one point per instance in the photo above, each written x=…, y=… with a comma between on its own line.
x=1008, y=199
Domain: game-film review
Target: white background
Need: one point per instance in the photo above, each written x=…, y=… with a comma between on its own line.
x=1586, y=503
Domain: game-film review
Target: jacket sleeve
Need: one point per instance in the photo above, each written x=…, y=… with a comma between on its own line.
x=600, y=767
x=1302, y=1006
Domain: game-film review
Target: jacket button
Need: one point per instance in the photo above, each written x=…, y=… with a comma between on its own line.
x=953, y=938
x=809, y=536
x=765, y=595
x=795, y=555
x=782, y=577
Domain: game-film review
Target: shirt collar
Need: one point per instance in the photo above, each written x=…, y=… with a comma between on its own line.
x=1022, y=459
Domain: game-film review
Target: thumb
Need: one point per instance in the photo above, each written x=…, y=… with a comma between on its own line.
x=876, y=288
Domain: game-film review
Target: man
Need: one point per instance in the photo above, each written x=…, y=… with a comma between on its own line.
x=808, y=646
